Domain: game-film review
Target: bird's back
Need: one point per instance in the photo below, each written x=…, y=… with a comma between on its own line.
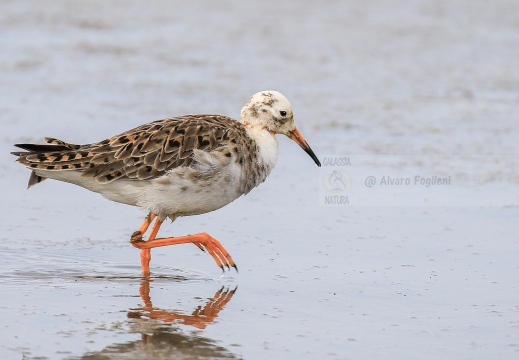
x=145, y=152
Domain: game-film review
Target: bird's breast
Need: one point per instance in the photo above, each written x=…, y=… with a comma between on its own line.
x=259, y=158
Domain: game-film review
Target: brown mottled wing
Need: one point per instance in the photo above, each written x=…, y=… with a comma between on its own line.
x=145, y=152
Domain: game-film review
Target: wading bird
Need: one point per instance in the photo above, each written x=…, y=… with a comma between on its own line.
x=181, y=166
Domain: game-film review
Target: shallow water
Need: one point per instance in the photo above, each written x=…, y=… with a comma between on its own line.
x=410, y=88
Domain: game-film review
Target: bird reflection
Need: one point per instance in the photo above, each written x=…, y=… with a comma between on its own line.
x=200, y=318
x=161, y=339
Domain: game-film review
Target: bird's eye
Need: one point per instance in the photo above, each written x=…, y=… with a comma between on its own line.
x=283, y=113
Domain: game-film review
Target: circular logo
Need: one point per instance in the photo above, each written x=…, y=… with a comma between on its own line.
x=337, y=181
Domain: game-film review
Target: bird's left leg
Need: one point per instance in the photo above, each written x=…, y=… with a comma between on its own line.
x=144, y=226
x=145, y=253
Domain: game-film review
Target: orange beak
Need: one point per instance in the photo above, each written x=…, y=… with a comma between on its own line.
x=300, y=140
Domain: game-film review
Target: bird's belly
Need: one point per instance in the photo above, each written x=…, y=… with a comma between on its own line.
x=190, y=200
x=176, y=198
x=190, y=192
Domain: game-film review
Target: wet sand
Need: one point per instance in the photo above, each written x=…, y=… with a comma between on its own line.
x=386, y=275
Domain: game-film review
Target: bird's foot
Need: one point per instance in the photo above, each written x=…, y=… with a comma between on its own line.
x=207, y=243
x=136, y=237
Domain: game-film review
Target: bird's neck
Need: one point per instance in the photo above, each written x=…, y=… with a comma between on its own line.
x=267, y=145
x=266, y=154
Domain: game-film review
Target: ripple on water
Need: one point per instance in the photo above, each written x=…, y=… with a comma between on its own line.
x=86, y=265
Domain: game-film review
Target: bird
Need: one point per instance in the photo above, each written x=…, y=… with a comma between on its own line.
x=175, y=167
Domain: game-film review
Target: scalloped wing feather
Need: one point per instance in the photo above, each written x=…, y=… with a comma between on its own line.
x=145, y=152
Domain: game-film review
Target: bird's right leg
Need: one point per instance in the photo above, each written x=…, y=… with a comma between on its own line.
x=204, y=241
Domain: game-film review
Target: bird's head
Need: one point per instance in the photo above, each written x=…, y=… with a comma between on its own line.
x=272, y=111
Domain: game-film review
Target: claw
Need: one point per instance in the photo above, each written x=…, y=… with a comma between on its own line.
x=136, y=237
x=200, y=246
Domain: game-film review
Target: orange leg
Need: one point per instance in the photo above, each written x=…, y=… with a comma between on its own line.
x=203, y=240
x=146, y=223
x=145, y=253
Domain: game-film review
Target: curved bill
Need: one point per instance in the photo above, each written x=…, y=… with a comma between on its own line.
x=300, y=140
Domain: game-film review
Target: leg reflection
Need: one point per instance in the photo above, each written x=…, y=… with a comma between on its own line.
x=200, y=318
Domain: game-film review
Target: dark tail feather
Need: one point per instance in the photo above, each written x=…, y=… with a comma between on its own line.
x=37, y=148
x=51, y=146
x=34, y=179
